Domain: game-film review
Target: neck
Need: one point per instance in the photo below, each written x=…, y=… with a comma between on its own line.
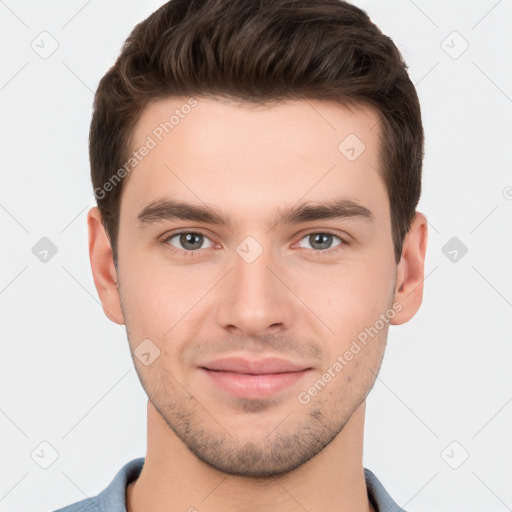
x=173, y=479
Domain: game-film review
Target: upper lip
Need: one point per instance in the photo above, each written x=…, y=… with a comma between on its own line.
x=257, y=367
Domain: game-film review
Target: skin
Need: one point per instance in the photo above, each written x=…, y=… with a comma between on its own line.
x=207, y=449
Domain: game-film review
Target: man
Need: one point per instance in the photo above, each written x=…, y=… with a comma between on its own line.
x=257, y=167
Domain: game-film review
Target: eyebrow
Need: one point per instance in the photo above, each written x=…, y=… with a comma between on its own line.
x=168, y=209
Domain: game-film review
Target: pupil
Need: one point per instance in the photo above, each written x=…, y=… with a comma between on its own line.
x=318, y=237
x=188, y=238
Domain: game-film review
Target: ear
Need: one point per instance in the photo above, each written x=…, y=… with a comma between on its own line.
x=103, y=269
x=411, y=270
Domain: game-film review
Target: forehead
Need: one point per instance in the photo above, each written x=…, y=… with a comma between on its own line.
x=181, y=115
x=254, y=157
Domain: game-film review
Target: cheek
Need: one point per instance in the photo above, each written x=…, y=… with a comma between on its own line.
x=348, y=297
x=151, y=296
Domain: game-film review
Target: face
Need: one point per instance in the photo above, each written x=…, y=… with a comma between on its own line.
x=253, y=281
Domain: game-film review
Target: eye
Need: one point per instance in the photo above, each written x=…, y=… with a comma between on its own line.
x=322, y=241
x=189, y=241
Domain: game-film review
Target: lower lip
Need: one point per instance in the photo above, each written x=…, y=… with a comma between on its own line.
x=254, y=386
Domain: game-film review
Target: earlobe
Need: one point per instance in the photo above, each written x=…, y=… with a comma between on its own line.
x=411, y=270
x=103, y=268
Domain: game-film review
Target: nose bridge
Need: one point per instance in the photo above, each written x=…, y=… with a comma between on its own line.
x=254, y=300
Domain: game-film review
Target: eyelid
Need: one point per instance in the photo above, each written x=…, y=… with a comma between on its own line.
x=165, y=238
x=332, y=251
x=344, y=237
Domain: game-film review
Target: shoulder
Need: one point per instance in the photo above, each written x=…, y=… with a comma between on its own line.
x=380, y=498
x=113, y=497
x=86, y=505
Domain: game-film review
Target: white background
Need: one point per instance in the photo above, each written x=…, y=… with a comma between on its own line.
x=67, y=377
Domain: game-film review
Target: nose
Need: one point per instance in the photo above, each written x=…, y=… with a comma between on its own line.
x=254, y=299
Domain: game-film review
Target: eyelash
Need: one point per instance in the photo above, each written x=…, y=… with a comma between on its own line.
x=324, y=253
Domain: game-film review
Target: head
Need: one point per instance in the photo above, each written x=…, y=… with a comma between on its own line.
x=257, y=172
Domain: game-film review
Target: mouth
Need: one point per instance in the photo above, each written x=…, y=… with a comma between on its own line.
x=243, y=378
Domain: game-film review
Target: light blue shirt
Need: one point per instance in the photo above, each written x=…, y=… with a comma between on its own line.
x=113, y=498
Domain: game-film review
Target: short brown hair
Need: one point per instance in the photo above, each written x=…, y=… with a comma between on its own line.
x=260, y=52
